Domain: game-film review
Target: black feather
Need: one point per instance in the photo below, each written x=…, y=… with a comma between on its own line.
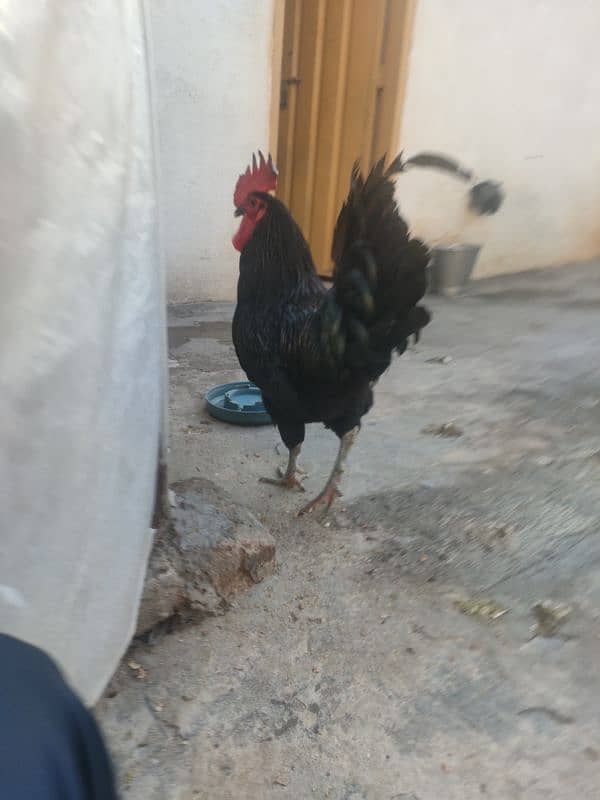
x=441, y=162
x=315, y=353
x=371, y=240
x=486, y=197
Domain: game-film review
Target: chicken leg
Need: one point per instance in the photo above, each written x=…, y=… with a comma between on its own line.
x=331, y=491
x=288, y=479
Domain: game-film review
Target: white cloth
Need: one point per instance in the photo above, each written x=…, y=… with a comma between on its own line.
x=81, y=329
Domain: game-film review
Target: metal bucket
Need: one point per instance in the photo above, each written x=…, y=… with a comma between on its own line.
x=451, y=267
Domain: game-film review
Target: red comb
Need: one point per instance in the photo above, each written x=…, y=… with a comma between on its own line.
x=261, y=178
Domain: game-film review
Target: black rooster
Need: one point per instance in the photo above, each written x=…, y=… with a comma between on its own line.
x=317, y=353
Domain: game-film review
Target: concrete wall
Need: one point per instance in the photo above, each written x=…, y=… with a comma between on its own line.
x=513, y=90
x=213, y=85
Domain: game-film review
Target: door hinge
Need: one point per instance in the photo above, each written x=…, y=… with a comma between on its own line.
x=283, y=94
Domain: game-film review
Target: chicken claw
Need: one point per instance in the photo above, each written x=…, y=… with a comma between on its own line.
x=285, y=481
x=288, y=478
x=326, y=499
x=331, y=490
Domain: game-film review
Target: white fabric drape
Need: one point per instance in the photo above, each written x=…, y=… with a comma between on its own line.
x=81, y=328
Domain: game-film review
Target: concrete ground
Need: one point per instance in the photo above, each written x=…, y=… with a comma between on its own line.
x=395, y=651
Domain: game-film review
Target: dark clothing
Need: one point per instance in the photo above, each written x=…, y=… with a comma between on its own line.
x=50, y=745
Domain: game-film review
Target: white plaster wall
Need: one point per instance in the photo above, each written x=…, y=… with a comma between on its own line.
x=512, y=89
x=213, y=85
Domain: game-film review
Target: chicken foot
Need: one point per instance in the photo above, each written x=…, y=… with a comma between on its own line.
x=288, y=479
x=331, y=490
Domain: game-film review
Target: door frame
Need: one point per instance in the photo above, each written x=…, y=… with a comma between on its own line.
x=410, y=9
x=276, y=57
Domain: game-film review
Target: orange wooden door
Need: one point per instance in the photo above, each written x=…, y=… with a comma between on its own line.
x=340, y=94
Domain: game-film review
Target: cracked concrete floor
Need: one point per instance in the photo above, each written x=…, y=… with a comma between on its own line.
x=353, y=672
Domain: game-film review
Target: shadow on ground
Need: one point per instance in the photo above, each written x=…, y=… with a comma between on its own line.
x=395, y=653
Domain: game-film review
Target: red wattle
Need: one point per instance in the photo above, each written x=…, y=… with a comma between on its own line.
x=245, y=231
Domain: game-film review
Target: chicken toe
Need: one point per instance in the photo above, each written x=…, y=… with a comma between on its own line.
x=288, y=478
x=327, y=497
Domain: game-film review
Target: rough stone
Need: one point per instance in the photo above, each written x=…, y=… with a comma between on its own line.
x=208, y=550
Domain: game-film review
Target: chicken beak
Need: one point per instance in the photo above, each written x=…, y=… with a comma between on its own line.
x=239, y=212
